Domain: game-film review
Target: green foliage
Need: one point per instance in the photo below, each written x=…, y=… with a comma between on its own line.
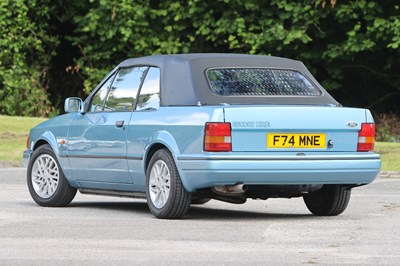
x=337, y=40
x=350, y=46
x=388, y=128
x=26, y=48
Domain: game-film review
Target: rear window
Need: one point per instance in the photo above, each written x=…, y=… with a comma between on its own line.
x=260, y=82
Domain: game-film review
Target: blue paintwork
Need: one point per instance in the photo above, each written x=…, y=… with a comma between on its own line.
x=96, y=146
x=99, y=155
x=52, y=132
x=293, y=119
x=201, y=171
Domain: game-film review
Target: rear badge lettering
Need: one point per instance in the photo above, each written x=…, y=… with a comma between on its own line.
x=251, y=124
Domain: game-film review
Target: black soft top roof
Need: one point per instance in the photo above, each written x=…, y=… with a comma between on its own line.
x=184, y=80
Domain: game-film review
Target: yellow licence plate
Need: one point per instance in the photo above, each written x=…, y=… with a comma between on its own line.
x=283, y=140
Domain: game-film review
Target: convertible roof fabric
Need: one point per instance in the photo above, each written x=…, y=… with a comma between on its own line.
x=184, y=80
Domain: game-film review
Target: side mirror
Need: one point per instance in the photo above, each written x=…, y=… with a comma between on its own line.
x=73, y=105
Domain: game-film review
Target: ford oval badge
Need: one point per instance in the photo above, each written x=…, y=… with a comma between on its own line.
x=351, y=124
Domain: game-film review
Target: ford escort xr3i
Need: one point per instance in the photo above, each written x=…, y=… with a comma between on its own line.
x=184, y=129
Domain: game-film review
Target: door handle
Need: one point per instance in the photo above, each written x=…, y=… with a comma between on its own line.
x=119, y=124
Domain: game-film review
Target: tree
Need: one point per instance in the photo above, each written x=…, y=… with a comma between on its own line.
x=337, y=40
x=350, y=46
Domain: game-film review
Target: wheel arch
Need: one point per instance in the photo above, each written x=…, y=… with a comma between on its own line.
x=47, y=138
x=160, y=140
x=39, y=143
x=151, y=150
x=163, y=140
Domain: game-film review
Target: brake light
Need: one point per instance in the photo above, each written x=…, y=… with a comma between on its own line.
x=217, y=137
x=366, y=137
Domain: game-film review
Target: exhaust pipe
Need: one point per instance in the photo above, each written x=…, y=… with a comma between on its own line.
x=230, y=190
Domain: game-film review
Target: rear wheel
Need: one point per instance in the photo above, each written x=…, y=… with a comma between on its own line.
x=330, y=200
x=46, y=181
x=166, y=196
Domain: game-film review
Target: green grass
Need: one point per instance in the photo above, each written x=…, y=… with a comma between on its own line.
x=390, y=155
x=14, y=131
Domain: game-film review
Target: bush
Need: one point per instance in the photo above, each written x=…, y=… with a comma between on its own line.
x=388, y=128
x=26, y=48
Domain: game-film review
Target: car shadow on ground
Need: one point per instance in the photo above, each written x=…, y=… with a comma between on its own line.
x=203, y=212
x=140, y=207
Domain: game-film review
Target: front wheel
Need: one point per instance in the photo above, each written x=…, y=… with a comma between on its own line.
x=46, y=181
x=330, y=200
x=166, y=196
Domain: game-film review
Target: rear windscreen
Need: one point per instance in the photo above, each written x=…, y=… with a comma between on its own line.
x=260, y=82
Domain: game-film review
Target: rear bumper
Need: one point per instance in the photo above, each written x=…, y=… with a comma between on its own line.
x=210, y=170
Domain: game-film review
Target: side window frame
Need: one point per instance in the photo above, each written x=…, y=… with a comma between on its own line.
x=110, y=78
x=141, y=87
x=113, y=82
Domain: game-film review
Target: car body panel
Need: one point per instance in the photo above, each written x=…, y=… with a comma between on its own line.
x=97, y=147
x=53, y=132
x=201, y=171
x=179, y=129
x=254, y=123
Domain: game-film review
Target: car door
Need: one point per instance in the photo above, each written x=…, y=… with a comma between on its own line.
x=97, y=138
x=145, y=121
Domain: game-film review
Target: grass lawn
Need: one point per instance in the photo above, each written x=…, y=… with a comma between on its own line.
x=390, y=155
x=15, y=130
x=13, y=133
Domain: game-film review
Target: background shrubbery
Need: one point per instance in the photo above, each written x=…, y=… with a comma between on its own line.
x=388, y=128
x=52, y=49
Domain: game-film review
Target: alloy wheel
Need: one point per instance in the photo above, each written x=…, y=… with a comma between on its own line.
x=45, y=176
x=159, y=184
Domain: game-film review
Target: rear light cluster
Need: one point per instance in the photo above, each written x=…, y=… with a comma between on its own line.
x=217, y=137
x=366, y=137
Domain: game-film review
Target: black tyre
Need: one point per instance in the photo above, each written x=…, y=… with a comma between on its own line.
x=46, y=181
x=166, y=196
x=331, y=200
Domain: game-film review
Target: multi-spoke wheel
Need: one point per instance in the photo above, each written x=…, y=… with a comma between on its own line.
x=166, y=196
x=45, y=176
x=46, y=182
x=159, y=184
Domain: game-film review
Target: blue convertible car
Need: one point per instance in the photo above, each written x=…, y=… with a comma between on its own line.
x=184, y=129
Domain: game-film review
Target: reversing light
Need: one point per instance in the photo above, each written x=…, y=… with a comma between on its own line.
x=217, y=137
x=366, y=137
